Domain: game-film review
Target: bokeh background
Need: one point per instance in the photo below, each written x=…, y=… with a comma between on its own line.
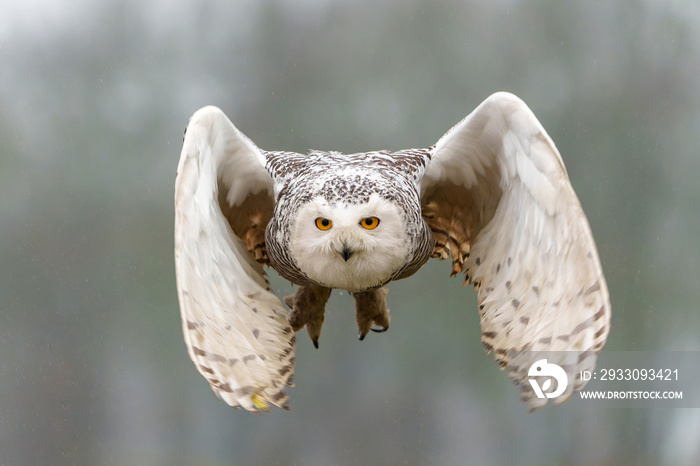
x=94, y=97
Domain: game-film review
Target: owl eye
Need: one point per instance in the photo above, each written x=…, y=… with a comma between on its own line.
x=323, y=224
x=369, y=223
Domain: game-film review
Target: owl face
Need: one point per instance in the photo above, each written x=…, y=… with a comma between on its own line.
x=349, y=246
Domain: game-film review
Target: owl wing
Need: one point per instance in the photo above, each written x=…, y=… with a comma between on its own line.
x=501, y=207
x=235, y=328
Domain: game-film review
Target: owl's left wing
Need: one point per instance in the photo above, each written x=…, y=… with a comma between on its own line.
x=236, y=329
x=500, y=204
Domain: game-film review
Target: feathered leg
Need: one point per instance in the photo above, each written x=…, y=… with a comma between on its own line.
x=308, y=306
x=370, y=308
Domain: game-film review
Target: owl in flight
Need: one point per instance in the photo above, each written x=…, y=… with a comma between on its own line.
x=492, y=195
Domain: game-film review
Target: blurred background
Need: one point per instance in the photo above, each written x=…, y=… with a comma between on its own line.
x=94, y=98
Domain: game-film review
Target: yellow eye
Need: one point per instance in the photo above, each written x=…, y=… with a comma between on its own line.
x=369, y=223
x=323, y=224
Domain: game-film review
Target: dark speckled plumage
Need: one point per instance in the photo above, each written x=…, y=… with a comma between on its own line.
x=346, y=179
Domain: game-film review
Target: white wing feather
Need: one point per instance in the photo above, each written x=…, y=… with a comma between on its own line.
x=236, y=329
x=533, y=258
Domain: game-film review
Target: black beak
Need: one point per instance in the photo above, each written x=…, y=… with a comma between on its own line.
x=346, y=253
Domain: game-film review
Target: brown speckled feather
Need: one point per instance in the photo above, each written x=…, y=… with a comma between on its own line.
x=236, y=329
x=501, y=206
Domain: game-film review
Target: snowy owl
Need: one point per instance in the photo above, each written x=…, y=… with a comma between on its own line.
x=492, y=195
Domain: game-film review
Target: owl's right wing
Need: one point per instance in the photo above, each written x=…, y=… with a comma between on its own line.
x=236, y=329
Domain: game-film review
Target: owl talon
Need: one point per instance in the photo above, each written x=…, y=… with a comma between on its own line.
x=371, y=312
x=308, y=309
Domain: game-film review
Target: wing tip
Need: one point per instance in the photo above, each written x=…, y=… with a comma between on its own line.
x=205, y=117
x=205, y=112
x=504, y=96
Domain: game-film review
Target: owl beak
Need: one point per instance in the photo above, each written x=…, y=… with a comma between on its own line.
x=346, y=252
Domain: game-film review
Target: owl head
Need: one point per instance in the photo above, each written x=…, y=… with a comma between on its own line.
x=350, y=245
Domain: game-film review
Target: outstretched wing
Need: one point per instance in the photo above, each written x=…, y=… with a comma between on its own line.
x=236, y=329
x=500, y=204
